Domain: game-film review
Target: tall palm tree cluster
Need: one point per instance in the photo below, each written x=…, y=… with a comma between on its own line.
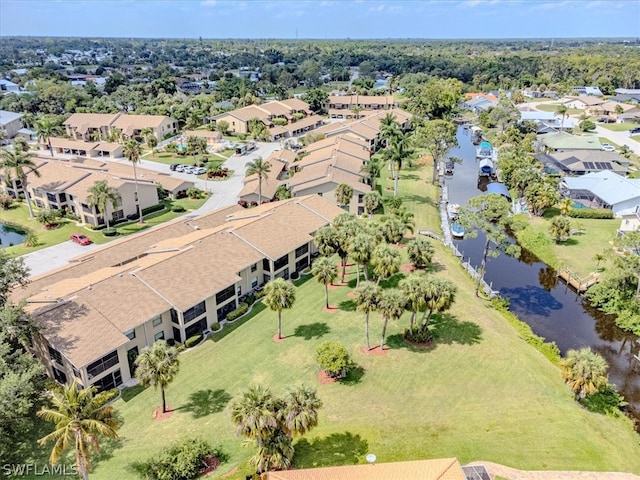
x=369, y=245
x=270, y=423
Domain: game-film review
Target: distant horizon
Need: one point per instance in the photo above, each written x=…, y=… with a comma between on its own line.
x=322, y=19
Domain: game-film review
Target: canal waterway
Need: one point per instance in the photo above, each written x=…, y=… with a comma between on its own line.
x=537, y=297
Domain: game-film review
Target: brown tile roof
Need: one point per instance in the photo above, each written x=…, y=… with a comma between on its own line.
x=57, y=142
x=295, y=104
x=202, y=134
x=56, y=176
x=436, y=469
x=309, y=121
x=107, y=146
x=204, y=268
x=83, y=121
x=180, y=263
x=353, y=100
x=131, y=122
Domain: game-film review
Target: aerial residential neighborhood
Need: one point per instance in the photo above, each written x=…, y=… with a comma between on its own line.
x=266, y=256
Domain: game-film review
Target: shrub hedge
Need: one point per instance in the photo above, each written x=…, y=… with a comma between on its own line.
x=238, y=312
x=194, y=340
x=178, y=209
x=153, y=208
x=600, y=213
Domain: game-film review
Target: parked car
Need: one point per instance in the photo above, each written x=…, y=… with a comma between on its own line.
x=188, y=169
x=81, y=239
x=181, y=168
x=607, y=147
x=606, y=120
x=173, y=166
x=634, y=131
x=199, y=170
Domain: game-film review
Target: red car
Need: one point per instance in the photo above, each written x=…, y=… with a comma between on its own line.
x=81, y=239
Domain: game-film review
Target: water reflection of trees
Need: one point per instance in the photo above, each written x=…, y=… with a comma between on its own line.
x=548, y=278
x=531, y=299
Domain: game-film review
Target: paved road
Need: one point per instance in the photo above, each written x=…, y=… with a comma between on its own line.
x=224, y=193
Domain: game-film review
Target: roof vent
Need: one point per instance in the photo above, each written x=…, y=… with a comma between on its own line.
x=89, y=287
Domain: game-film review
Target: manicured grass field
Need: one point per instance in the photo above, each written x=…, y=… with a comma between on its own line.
x=481, y=393
x=578, y=251
x=617, y=127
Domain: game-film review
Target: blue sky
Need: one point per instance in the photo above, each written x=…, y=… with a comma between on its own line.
x=322, y=18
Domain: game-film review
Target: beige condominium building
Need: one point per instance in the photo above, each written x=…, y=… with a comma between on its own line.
x=170, y=282
x=91, y=127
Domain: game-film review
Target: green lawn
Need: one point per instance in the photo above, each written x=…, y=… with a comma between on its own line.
x=578, y=251
x=552, y=107
x=481, y=393
x=169, y=158
x=617, y=127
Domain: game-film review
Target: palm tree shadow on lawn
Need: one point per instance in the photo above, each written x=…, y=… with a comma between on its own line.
x=311, y=331
x=206, y=402
x=347, y=306
x=446, y=329
x=336, y=449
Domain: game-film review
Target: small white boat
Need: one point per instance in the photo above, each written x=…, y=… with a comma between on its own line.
x=453, y=210
x=486, y=168
x=457, y=230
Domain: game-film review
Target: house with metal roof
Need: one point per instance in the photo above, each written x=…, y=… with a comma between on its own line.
x=603, y=189
x=562, y=141
x=581, y=162
x=10, y=123
x=547, y=122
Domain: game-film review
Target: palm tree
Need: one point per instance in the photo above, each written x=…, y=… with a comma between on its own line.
x=420, y=252
x=260, y=168
x=391, y=306
x=372, y=201
x=598, y=257
x=412, y=287
x=254, y=414
x=399, y=149
x=325, y=271
x=158, y=365
x=132, y=152
x=371, y=169
x=100, y=195
x=584, y=371
x=14, y=165
x=81, y=416
x=389, y=128
x=45, y=129
x=360, y=249
x=300, y=413
x=344, y=193
x=280, y=294
x=566, y=204
x=439, y=295
x=560, y=228
x=386, y=262
x=366, y=298
x=562, y=110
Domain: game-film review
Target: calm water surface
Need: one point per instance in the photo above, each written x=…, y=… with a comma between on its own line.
x=536, y=296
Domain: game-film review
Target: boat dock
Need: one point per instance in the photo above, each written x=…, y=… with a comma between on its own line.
x=577, y=284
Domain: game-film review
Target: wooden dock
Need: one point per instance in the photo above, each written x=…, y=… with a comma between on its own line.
x=579, y=285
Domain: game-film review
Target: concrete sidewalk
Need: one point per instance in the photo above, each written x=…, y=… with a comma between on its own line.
x=515, y=474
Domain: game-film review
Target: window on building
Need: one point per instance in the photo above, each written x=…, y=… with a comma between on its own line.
x=63, y=197
x=265, y=265
x=302, y=264
x=59, y=375
x=112, y=380
x=76, y=372
x=360, y=198
x=96, y=368
x=118, y=215
x=302, y=250
x=281, y=262
x=254, y=282
x=131, y=334
x=174, y=316
x=86, y=209
x=224, y=295
x=52, y=198
x=194, y=312
x=254, y=267
x=55, y=355
x=159, y=336
x=157, y=321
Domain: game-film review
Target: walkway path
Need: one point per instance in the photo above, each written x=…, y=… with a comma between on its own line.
x=515, y=474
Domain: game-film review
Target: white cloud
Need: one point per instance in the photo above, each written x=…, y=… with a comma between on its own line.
x=208, y=3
